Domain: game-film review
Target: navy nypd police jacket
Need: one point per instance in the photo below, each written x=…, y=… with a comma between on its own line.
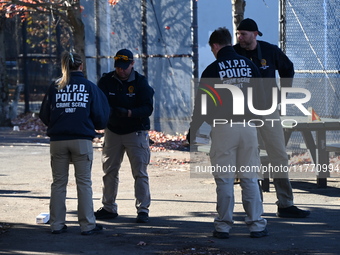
x=233, y=69
x=76, y=111
x=134, y=94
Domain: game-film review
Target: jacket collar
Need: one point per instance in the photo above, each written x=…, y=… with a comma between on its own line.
x=77, y=73
x=132, y=76
x=225, y=50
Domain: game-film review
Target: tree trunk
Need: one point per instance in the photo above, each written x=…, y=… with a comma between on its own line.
x=4, y=93
x=78, y=30
x=238, y=14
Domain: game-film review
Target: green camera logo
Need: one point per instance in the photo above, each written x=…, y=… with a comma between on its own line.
x=213, y=95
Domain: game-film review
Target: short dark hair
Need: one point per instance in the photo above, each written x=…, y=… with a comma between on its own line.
x=220, y=36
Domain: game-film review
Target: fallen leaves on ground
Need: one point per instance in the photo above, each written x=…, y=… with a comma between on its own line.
x=167, y=160
x=29, y=121
x=300, y=159
x=161, y=141
x=165, y=142
x=306, y=161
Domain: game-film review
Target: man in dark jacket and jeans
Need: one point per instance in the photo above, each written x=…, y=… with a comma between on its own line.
x=269, y=58
x=131, y=101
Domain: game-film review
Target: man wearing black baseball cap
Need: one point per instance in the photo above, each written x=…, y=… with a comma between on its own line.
x=249, y=25
x=131, y=102
x=269, y=59
x=123, y=58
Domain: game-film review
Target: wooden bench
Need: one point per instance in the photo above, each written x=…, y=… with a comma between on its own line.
x=266, y=175
x=204, y=148
x=335, y=147
x=265, y=182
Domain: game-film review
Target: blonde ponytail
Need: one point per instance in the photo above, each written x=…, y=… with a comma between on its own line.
x=69, y=62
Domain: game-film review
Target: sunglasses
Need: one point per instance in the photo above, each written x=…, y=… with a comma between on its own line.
x=122, y=58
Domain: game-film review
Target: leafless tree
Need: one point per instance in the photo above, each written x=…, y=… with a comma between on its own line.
x=67, y=10
x=238, y=13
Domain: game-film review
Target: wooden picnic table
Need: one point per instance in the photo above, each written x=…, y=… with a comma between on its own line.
x=318, y=146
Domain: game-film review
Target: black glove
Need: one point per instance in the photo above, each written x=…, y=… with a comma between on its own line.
x=188, y=136
x=121, y=112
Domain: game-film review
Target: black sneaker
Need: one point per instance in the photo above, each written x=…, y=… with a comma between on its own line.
x=63, y=230
x=259, y=234
x=221, y=235
x=92, y=231
x=142, y=217
x=101, y=213
x=292, y=212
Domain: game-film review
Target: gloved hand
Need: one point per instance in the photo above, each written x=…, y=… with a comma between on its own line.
x=121, y=112
x=188, y=136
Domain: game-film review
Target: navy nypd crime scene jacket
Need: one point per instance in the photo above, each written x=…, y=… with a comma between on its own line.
x=134, y=94
x=76, y=111
x=232, y=69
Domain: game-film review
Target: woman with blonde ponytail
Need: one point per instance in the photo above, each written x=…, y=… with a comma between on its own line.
x=69, y=62
x=73, y=108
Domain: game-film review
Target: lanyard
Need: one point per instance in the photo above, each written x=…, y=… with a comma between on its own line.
x=259, y=54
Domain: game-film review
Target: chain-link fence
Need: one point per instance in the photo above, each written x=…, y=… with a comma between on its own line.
x=28, y=79
x=160, y=34
x=309, y=36
x=32, y=59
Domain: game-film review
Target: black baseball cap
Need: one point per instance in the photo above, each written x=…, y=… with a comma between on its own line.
x=248, y=25
x=123, y=58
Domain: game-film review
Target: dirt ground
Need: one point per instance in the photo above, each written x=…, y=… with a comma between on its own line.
x=181, y=213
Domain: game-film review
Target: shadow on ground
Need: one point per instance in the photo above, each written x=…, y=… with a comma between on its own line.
x=177, y=235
